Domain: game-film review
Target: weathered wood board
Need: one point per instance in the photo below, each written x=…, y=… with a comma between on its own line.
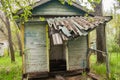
x=77, y=51
x=54, y=7
x=35, y=47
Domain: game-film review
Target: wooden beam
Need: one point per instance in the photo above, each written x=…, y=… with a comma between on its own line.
x=107, y=61
x=48, y=47
x=93, y=76
x=22, y=40
x=88, y=52
x=66, y=50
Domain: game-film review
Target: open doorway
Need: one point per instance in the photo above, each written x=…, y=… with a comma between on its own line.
x=57, y=58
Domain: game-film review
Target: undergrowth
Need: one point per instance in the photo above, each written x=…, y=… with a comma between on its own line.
x=13, y=71
x=10, y=71
x=100, y=69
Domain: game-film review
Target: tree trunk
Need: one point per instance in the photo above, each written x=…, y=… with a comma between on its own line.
x=7, y=25
x=19, y=43
x=101, y=43
x=10, y=40
x=100, y=35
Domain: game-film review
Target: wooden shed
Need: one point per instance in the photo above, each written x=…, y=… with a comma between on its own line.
x=59, y=43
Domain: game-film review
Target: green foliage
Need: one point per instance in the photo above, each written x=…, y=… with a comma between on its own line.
x=100, y=69
x=115, y=47
x=112, y=77
x=68, y=1
x=42, y=18
x=10, y=71
x=114, y=66
x=118, y=0
x=96, y=1
x=16, y=17
x=26, y=10
x=97, y=69
x=111, y=42
x=86, y=15
x=113, y=32
x=62, y=1
x=11, y=7
x=91, y=19
x=26, y=13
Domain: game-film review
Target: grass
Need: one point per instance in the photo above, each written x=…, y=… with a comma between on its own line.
x=10, y=71
x=13, y=71
x=100, y=69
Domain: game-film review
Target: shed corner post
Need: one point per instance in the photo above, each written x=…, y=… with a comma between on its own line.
x=88, y=53
x=67, y=55
x=47, y=46
x=23, y=56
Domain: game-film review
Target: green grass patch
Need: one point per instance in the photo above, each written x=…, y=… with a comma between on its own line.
x=100, y=69
x=10, y=71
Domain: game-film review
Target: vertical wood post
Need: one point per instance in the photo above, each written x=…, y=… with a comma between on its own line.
x=22, y=40
x=107, y=65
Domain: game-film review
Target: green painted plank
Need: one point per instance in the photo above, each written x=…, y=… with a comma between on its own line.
x=77, y=51
x=54, y=7
x=35, y=47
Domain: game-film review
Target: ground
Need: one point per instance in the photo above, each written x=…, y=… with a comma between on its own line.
x=78, y=77
x=13, y=71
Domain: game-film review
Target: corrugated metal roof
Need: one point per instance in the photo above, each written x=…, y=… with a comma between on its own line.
x=62, y=28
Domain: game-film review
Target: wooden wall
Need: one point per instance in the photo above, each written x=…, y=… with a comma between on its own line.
x=37, y=52
x=35, y=47
x=54, y=7
x=77, y=51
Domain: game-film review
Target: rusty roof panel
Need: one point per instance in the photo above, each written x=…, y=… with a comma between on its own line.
x=72, y=27
x=57, y=39
x=64, y=37
x=65, y=31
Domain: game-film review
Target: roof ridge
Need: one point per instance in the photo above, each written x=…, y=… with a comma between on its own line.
x=45, y=1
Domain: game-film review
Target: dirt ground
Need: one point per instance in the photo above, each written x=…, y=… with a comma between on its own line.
x=78, y=77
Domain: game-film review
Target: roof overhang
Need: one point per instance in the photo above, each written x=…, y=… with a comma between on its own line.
x=62, y=29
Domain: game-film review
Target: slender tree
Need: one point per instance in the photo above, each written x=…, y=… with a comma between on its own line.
x=100, y=35
x=10, y=7
x=7, y=25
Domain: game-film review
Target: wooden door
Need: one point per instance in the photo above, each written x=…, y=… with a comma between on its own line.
x=35, y=47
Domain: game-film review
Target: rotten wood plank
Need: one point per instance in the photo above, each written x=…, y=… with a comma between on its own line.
x=93, y=76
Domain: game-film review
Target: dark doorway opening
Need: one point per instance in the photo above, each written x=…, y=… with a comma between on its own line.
x=57, y=58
